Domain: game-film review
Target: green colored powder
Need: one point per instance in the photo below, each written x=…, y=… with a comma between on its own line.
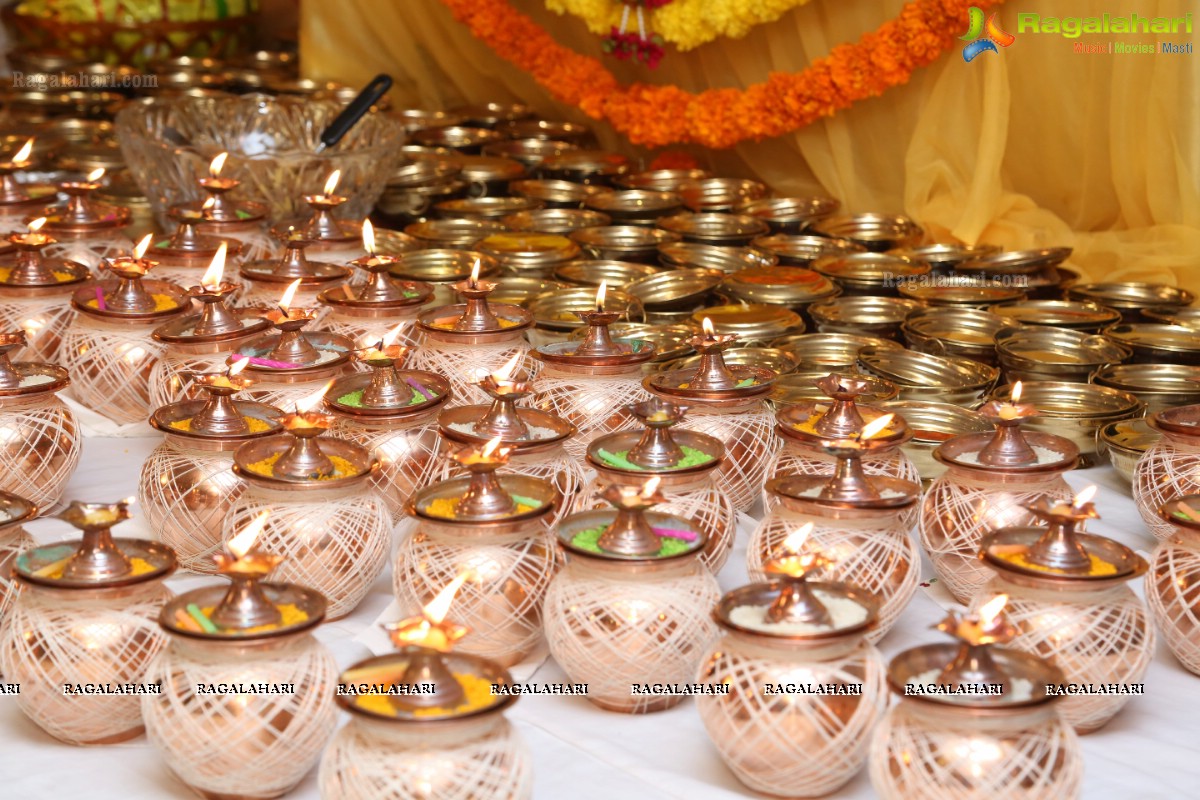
x=691, y=458
x=354, y=399
x=526, y=501
x=745, y=383
x=589, y=540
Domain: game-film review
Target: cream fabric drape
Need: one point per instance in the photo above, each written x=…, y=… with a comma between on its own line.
x=1035, y=146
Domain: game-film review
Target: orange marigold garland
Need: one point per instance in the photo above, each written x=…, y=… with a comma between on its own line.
x=657, y=116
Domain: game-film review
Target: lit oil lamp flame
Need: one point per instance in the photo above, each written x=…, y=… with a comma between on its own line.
x=795, y=540
x=36, y=225
x=391, y=336
x=430, y=630
x=991, y=609
x=289, y=294
x=25, y=151
x=217, y=164
x=505, y=372
x=650, y=487
x=237, y=366
x=491, y=446
x=1084, y=497
x=242, y=543
x=95, y=175
x=876, y=426
x=332, y=183
x=474, y=279
x=709, y=330
x=368, y=237
x=307, y=403
x=600, y=292
x=139, y=250
x=216, y=269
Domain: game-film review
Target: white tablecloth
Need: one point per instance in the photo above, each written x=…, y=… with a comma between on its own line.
x=1149, y=752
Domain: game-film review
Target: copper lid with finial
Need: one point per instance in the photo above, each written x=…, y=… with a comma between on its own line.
x=597, y=348
x=25, y=378
x=660, y=448
x=386, y=391
x=713, y=380
x=215, y=416
x=476, y=321
x=1009, y=448
x=630, y=532
x=216, y=322
x=132, y=297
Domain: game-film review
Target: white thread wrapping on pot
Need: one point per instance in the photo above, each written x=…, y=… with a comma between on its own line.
x=336, y=545
x=282, y=395
x=171, y=379
x=12, y=543
x=41, y=448
x=1172, y=589
x=1098, y=638
x=707, y=507
x=257, y=745
x=611, y=634
x=52, y=639
x=800, y=745
x=916, y=758
x=1166, y=471
x=185, y=496
x=959, y=510
x=409, y=457
x=750, y=442
x=362, y=764
x=459, y=363
x=357, y=330
x=871, y=554
x=501, y=600
x=593, y=404
x=44, y=319
x=110, y=368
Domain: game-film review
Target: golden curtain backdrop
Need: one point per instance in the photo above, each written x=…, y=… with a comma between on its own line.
x=1035, y=146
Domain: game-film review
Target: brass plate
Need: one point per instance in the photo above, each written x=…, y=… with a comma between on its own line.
x=674, y=288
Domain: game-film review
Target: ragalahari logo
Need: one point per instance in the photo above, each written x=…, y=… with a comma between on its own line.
x=984, y=36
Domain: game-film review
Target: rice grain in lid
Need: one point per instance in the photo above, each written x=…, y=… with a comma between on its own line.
x=1156, y=338
x=1133, y=436
x=787, y=285
x=869, y=270
x=1073, y=314
x=454, y=232
x=961, y=292
x=674, y=288
x=662, y=180
x=634, y=203
x=442, y=266
x=876, y=232
x=725, y=259
x=1039, y=346
x=489, y=208
x=789, y=213
x=801, y=250
x=1132, y=295
x=714, y=228
x=721, y=194
x=751, y=321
